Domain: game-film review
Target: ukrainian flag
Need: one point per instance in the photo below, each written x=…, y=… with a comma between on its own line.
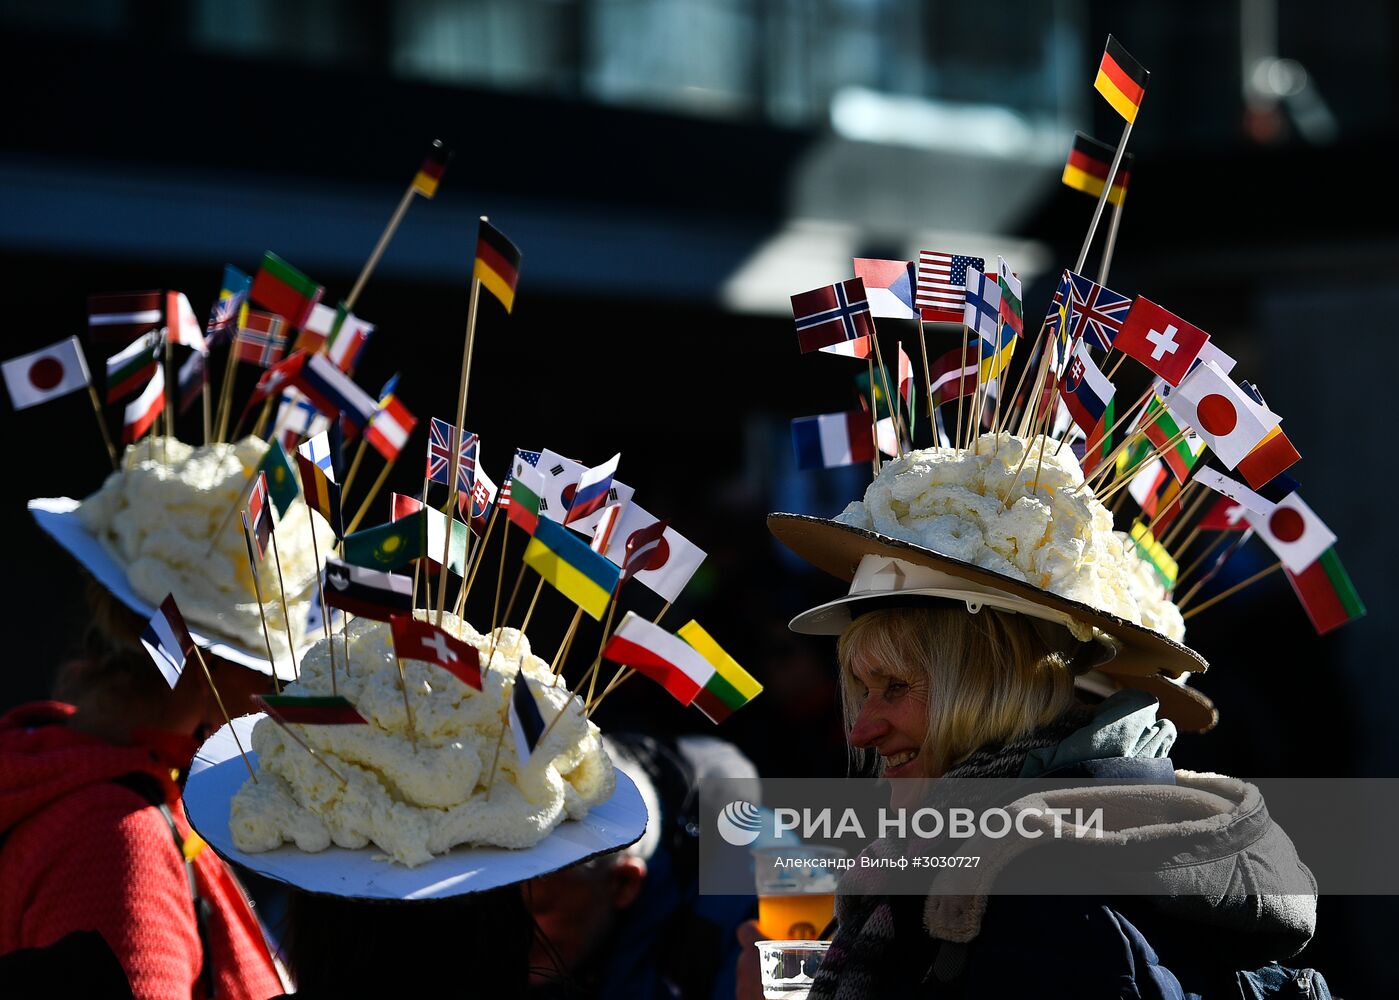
x=571, y=567
x=993, y=362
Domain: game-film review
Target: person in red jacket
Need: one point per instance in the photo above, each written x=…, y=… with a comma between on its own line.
x=93, y=835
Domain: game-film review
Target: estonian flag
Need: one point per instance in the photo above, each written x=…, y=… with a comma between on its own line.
x=526, y=724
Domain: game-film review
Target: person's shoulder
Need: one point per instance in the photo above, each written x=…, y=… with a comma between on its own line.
x=105, y=817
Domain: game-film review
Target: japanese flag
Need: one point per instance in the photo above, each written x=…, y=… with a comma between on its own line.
x=672, y=562
x=46, y=374
x=1296, y=535
x=1222, y=414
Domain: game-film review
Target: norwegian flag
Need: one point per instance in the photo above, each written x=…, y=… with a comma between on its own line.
x=439, y=455
x=260, y=339
x=832, y=315
x=1096, y=313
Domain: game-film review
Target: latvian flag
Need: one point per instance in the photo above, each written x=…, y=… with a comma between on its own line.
x=497, y=264
x=730, y=688
x=669, y=661
x=831, y=439
x=591, y=494
x=367, y=593
x=1086, y=390
x=167, y=640
x=1121, y=79
x=116, y=319
x=430, y=173
x=832, y=315
x=286, y=291
x=1087, y=169
x=388, y=432
x=1325, y=590
x=142, y=411
x=941, y=293
x=315, y=710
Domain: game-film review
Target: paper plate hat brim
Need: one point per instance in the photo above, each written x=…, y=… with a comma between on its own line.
x=218, y=772
x=1191, y=710
x=58, y=517
x=839, y=548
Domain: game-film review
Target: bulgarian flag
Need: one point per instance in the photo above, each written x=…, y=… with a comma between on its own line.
x=1326, y=593
x=651, y=650
x=310, y=710
x=730, y=688
x=526, y=486
x=132, y=367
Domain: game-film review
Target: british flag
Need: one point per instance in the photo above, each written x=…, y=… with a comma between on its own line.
x=1096, y=313
x=439, y=456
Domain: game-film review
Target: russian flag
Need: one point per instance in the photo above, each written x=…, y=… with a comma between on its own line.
x=333, y=392
x=889, y=286
x=832, y=439
x=590, y=496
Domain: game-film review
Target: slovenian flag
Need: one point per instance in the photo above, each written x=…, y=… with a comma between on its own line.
x=367, y=593
x=831, y=439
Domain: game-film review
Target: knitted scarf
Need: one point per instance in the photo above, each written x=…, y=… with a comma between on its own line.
x=860, y=953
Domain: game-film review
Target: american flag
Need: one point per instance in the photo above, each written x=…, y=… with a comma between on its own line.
x=260, y=340
x=439, y=456
x=1096, y=312
x=942, y=284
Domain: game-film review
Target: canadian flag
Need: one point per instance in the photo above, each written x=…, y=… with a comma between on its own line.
x=1221, y=413
x=1295, y=534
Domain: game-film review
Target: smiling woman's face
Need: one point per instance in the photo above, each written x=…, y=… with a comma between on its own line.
x=892, y=719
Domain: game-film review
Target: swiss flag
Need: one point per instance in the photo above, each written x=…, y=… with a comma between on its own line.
x=415, y=640
x=1225, y=514
x=1160, y=339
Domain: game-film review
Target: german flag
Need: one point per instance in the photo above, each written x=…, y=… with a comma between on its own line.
x=434, y=166
x=497, y=263
x=1087, y=169
x=1121, y=79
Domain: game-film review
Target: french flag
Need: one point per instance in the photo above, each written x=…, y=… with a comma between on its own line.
x=591, y=494
x=832, y=439
x=889, y=286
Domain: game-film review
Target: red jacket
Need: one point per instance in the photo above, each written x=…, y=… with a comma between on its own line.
x=82, y=852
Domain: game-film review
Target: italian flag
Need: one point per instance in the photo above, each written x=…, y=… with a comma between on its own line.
x=1325, y=590
x=730, y=688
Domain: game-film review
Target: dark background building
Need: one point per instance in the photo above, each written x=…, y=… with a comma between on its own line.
x=673, y=170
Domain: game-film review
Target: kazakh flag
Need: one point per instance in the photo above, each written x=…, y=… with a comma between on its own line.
x=730, y=688
x=389, y=546
x=571, y=566
x=281, y=477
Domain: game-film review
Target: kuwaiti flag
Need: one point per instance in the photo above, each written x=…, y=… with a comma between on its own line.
x=334, y=392
x=889, y=286
x=831, y=439
x=142, y=411
x=664, y=563
x=591, y=494
x=1295, y=534
x=167, y=640
x=1160, y=339
x=181, y=324
x=830, y=315
x=1012, y=308
x=1086, y=390
x=983, y=305
x=1221, y=413
x=561, y=477
x=669, y=661
x=46, y=374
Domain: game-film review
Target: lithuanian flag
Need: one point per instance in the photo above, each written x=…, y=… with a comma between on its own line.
x=1325, y=590
x=497, y=264
x=1155, y=553
x=1121, y=79
x=434, y=166
x=570, y=566
x=730, y=688
x=1087, y=169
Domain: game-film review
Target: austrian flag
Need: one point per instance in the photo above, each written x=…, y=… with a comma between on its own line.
x=832, y=315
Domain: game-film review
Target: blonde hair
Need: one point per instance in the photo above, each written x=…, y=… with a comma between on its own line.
x=991, y=677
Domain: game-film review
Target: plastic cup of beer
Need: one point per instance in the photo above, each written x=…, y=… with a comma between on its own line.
x=796, y=890
x=788, y=967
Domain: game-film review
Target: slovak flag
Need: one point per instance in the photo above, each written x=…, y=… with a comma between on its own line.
x=1159, y=339
x=591, y=493
x=1086, y=390
x=1295, y=534
x=889, y=287
x=830, y=315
